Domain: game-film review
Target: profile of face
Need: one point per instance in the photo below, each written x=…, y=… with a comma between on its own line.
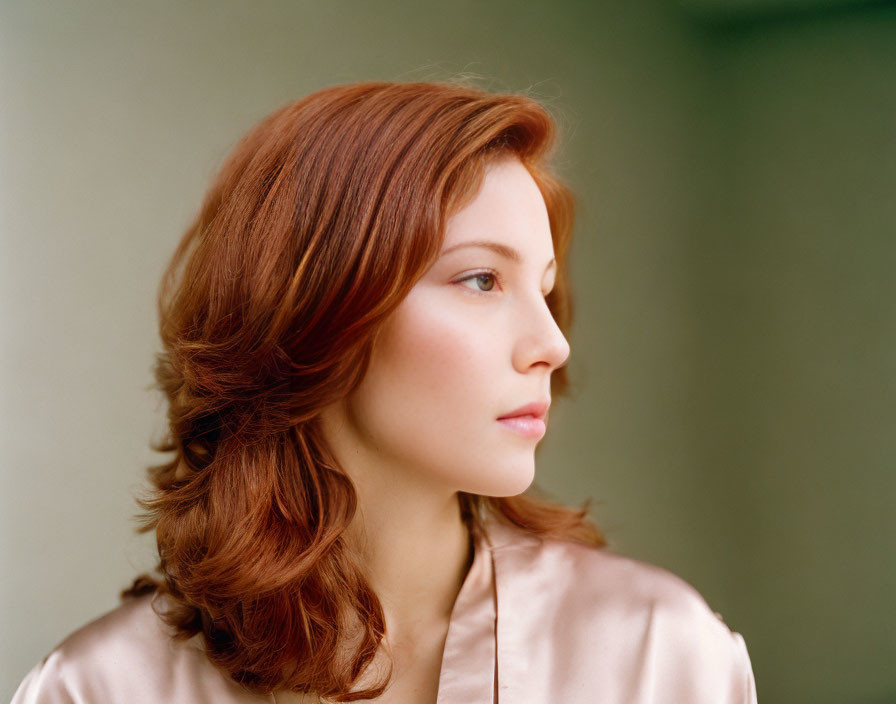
x=474, y=340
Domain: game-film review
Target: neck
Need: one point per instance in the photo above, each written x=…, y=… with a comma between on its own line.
x=407, y=532
x=416, y=551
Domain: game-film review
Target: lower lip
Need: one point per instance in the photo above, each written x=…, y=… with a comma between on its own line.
x=527, y=426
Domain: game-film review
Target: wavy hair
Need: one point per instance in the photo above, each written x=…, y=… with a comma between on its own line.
x=268, y=311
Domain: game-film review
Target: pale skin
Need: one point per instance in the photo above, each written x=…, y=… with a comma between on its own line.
x=472, y=341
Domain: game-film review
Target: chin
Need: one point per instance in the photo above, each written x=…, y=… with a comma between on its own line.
x=509, y=481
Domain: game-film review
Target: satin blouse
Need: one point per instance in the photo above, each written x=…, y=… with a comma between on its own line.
x=535, y=622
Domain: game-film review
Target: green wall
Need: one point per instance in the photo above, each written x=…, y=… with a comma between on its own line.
x=733, y=391
x=798, y=280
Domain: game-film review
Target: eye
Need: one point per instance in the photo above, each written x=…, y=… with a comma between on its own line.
x=486, y=278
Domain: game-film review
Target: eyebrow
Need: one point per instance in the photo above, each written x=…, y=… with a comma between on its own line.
x=502, y=249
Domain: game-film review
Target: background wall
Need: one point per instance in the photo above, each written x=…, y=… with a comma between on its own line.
x=733, y=388
x=798, y=318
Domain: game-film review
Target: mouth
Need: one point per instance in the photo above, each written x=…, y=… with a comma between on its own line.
x=526, y=425
x=536, y=409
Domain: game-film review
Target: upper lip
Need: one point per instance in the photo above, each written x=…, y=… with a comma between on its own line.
x=537, y=409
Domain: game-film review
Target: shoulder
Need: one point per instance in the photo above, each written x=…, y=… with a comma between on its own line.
x=599, y=575
x=662, y=620
x=640, y=618
x=127, y=655
x=585, y=574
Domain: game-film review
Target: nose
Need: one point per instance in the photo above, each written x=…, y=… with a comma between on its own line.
x=541, y=341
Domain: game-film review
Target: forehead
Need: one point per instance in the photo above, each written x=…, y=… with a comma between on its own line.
x=508, y=208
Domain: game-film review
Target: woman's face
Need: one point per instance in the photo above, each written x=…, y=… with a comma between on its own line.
x=473, y=341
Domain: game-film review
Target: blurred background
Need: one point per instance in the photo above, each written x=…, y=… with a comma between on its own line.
x=734, y=394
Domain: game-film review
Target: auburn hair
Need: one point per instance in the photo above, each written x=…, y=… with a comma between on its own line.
x=268, y=311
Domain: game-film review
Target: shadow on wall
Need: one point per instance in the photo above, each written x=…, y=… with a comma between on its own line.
x=744, y=14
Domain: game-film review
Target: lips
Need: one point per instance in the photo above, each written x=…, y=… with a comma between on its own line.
x=527, y=421
x=537, y=409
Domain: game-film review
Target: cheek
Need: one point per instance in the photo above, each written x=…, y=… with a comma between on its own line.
x=432, y=394
x=436, y=362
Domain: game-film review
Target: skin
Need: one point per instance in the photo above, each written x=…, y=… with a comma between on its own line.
x=472, y=341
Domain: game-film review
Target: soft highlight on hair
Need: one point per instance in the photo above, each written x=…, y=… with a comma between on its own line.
x=317, y=226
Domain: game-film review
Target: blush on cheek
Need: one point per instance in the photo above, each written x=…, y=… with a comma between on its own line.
x=437, y=341
x=431, y=397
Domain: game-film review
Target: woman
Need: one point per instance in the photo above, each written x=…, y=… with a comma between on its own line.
x=363, y=330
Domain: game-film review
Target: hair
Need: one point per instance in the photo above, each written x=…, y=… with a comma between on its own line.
x=318, y=224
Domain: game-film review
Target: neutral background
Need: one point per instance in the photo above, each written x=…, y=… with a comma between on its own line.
x=735, y=382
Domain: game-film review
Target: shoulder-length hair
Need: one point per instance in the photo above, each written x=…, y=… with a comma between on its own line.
x=319, y=223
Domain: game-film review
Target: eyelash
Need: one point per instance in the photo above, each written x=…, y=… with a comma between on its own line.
x=486, y=272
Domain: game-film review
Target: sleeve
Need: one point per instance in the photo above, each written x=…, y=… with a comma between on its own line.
x=695, y=657
x=745, y=681
x=45, y=684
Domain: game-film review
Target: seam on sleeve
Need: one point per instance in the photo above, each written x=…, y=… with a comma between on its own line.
x=749, y=695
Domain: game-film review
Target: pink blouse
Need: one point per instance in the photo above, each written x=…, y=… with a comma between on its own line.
x=535, y=622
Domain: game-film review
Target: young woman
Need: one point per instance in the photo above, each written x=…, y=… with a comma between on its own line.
x=362, y=333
